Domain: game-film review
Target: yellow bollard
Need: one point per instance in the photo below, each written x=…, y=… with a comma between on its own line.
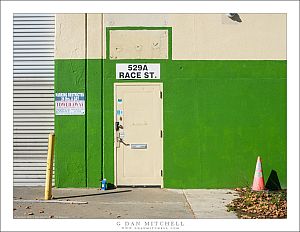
x=49, y=171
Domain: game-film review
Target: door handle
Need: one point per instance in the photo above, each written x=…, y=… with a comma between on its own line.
x=126, y=144
x=120, y=140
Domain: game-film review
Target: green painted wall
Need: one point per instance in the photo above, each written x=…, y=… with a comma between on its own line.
x=218, y=117
x=70, y=142
x=94, y=123
x=78, y=147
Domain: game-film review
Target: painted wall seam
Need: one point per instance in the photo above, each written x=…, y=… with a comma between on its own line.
x=86, y=100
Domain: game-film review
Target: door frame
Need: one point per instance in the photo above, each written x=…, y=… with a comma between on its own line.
x=115, y=106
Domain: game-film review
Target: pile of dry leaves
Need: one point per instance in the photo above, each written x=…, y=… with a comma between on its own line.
x=262, y=204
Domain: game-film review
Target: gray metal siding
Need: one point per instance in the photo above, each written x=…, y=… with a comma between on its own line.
x=33, y=95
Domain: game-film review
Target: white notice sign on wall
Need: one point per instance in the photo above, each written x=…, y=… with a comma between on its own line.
x=69, y=104
x=137, y=71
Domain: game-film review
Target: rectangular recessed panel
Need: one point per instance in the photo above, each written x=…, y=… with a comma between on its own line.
x=33, y=102
x=138, y=44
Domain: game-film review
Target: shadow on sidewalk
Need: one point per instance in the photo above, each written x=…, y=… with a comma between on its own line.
x=90, y=195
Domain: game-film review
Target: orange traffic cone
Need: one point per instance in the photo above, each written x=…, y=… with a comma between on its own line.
x=258, y=181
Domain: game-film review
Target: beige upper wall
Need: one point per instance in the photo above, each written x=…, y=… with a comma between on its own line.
x=94, y=36
x=70, y=36
x=215, y=36
x=194, y=36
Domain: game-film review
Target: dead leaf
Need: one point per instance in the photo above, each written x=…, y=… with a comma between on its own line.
x=253, y=204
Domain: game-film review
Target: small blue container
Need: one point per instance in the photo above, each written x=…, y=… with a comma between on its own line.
x=103, y=184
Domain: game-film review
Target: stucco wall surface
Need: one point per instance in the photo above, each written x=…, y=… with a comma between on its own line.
x=224, y=97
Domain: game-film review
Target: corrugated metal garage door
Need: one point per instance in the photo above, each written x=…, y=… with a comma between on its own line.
x=33, y=95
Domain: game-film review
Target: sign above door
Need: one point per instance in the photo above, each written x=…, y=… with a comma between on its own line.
x=137, y=71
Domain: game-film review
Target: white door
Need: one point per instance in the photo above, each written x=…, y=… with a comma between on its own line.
x=138, y=134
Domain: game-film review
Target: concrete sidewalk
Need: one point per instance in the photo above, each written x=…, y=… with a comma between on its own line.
x=133, y=203
x=210, y=203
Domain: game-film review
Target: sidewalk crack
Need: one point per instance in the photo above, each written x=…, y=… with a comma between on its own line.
x=189, y=205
